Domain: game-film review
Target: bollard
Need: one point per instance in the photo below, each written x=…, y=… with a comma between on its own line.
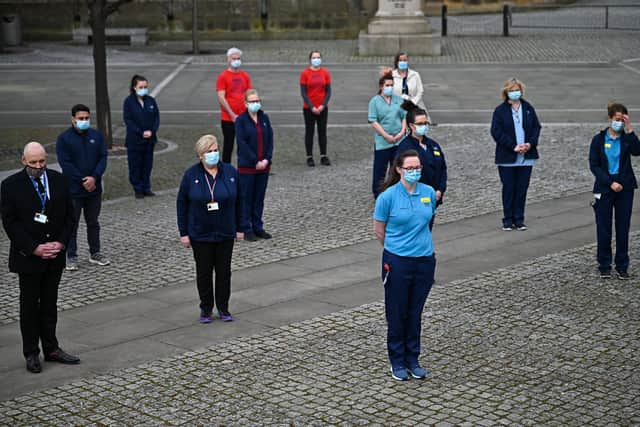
x=505, y=20
x=444, y=20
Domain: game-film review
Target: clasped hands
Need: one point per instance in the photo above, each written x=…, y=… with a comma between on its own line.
x=522, y=148
x=48, y=250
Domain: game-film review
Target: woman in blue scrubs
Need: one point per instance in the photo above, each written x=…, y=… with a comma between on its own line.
x=386, y=116
x=610, y=163
x=402, y=214
x=142, y=118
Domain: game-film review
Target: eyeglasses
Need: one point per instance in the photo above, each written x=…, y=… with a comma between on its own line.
x=413, y=168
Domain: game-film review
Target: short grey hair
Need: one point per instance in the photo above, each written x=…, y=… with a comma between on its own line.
x=234, y=51
x=205, y=143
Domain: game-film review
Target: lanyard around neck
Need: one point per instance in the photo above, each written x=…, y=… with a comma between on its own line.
x=211, y=187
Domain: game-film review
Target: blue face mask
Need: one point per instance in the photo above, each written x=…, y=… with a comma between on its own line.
x=514, y=95
x=83, y=124
x=387, y=91
x=142, y=92
x=254, y=107
x=403, y=65
x=422, y=129
x=316, y=62
x=412, y=176
x=617, y=126
x=212, y=158
x=236, y=63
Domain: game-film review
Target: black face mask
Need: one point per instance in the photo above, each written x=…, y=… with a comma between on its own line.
x=35, y=172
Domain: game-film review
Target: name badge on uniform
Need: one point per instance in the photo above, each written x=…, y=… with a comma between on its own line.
x=212, y=206
x=607, y=145
x=41, y=218
x=436, y=153
x=425, y=200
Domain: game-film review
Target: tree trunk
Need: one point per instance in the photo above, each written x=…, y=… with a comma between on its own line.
x=195, y=38
x=98, y=22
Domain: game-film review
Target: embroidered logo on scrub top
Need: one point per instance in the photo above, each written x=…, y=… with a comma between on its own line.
x=425, y=200
x=93, y=141
x=151, y=107
x=607, y=145
x=232, y=179
x=196, y=181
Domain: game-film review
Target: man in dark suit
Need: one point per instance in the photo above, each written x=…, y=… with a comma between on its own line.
x=37, y=214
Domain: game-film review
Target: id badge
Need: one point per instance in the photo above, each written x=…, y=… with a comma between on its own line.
x=212, y=206
x=40, y=217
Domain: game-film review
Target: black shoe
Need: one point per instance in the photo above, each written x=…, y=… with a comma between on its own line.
x=33, y=364
x=60, y=356
x=310, y=162
x=605, y=274
x=521, y=227
x=325, y=161
x=263, y=234
x=623, y=275
x=508, y=227
x=149, y=193
x=139, y=195
x=250, y=237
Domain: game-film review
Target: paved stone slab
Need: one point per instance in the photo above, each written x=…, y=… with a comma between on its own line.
x=542, y=342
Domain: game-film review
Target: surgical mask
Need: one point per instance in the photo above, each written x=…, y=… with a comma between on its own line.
x=387, y=91
x=316, y=62
x=142, y=92
x=403, y=65
x=254, y=107
x=83, y=124
x=514, y=95
x=617, y=126
x=412, y=176
x=35, y=172
x=212, y=158
x=422, y=129
x=236, y=63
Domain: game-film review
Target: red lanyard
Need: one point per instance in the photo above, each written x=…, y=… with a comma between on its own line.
x=211, y=188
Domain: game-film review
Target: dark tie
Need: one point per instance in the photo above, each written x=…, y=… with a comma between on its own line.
x=40, y=185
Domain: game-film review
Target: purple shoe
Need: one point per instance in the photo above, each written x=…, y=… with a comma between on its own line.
x=225, y=316
x=205, y=317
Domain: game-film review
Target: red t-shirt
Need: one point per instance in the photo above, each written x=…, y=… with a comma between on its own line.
x=234, y=85
x=316, y=81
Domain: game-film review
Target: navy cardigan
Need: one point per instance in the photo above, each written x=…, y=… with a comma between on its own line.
x=194, y=220
x=139, y=118
x=504, y=133
x=434, y=166
x=247, y=139
x=629, y=146
x=82, y=154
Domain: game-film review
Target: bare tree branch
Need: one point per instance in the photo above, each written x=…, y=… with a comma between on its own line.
x=112, y=7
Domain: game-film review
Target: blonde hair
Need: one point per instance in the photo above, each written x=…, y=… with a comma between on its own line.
x=508, y=84
x=205, y=143
x=250, y=92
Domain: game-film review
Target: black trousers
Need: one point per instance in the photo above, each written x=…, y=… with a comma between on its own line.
x=91, y=207
x=228, y=138
x=310, y=121
x=39, y=311
x=210, y=256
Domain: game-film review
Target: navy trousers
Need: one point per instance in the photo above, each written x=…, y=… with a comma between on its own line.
x=622, y=204
x=515, y=183
x=253, y=188
x=382, y=160
x=91, y=207
x=140, y=164
x=228, y=139
x=405, y=293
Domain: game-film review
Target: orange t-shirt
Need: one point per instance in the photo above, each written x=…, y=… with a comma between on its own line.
x=235, y=84
x=316, y=81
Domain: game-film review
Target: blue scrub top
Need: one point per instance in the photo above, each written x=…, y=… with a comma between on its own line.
x=612, y=150
x=389, y=116
x=407, y=218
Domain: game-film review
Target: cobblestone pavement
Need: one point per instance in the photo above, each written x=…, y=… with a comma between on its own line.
x=545, y=342
x=308, y=211
x=524, y=46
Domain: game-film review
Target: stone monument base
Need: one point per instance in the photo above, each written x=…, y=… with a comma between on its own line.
x=390, y=35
